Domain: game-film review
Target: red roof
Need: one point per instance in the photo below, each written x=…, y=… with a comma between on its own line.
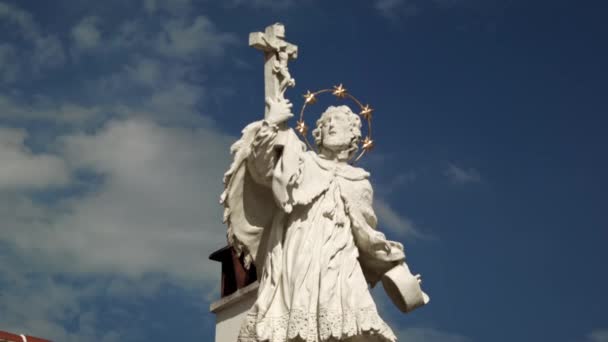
x=6, y=336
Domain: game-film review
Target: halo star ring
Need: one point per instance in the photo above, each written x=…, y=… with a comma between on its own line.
x=340, y=92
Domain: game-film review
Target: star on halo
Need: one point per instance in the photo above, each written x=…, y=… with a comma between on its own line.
x=366, y=112
x=309, y=97
x=368, y=144
x=339, y=91
x=301, y=127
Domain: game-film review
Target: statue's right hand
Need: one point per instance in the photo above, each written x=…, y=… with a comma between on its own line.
x=279, y=110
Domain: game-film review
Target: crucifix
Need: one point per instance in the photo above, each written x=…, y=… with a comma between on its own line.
x=277, y=53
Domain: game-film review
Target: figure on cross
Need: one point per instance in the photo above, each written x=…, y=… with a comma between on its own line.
x=281, y=70
x=277, y=53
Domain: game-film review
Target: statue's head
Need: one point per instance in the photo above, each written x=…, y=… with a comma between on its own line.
x=338, y=130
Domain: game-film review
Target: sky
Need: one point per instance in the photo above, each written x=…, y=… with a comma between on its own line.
x=490, y=163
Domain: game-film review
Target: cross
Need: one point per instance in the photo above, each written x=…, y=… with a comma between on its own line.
x=277, y=52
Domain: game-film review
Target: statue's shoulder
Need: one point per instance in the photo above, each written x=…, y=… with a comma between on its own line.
x=354, y=173
x=355, y=185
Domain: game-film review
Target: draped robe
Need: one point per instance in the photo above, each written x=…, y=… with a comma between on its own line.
x=308, y=225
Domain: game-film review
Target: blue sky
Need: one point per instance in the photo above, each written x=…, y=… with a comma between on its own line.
x=490, y=166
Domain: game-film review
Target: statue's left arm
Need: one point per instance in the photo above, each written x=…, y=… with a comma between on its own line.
x=377, y=254
x=380, y=258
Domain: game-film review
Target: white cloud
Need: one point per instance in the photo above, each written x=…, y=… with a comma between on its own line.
x=155, y=208
x=172, y=6
x=86, y=34
x=269, y=4
x=177, y=7
x=145, y=71
x=48, y=53
x=386, y=6
x=429, y=335
x=391, y=220
x=403, y=178
x=600, y=335
x=139, y=202
x=129, y=34
x=155, y=212
x=154, y=89
x=180, y=98
x=45, y=109
x=175, y=102
x=36, y=304
x=396, y=9
x=187, y=39
x=184, y=39
x=461, y=175
x=41, y=50
x=450, y=3
x=22, y=19
x=396, y=183
x=140, y=73
x=9, y=64
x=20, y=169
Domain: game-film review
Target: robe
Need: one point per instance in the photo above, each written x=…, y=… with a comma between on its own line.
x=308, y=225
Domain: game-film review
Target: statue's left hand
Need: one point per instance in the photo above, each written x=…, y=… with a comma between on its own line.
x=386, y=245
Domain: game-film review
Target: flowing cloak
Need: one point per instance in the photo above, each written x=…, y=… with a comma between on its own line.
x=308, y=225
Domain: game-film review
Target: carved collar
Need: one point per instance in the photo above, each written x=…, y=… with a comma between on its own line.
x=343, y=170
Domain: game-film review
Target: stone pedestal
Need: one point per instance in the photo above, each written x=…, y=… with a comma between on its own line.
x=230, y=312
x=238, y=292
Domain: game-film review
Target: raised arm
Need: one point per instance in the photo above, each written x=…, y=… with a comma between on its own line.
x=269, y=141
x=249, y=206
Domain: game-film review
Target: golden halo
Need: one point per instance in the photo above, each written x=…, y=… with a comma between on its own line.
x=341, y=93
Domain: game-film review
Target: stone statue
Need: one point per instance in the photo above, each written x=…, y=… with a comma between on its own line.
x=305, y=219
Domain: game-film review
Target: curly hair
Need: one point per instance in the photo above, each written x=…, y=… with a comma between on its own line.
x=354, y=123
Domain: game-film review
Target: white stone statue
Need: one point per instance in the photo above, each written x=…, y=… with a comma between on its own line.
x=305, y=219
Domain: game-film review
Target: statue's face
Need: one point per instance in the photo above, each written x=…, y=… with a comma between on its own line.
x=336, y=132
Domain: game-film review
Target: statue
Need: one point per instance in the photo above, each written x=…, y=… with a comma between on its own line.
x=305, y=219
